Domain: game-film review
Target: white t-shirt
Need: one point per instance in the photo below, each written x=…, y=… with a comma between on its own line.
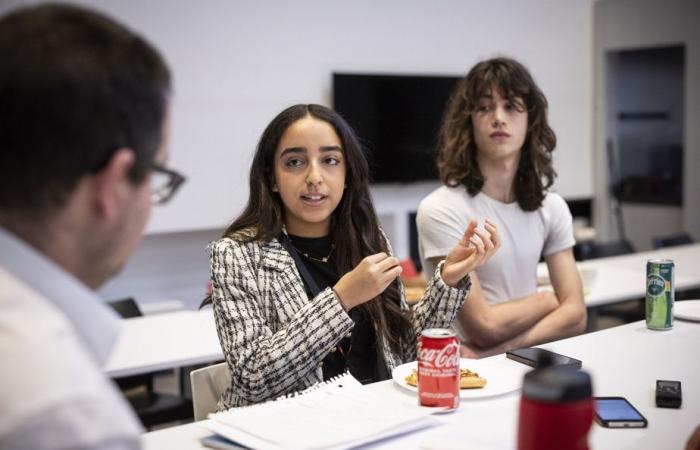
x=512, y=271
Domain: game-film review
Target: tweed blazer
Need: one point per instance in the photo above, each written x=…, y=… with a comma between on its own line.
x=275, y=338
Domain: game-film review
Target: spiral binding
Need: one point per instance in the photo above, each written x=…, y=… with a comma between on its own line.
x=315, y=387
x=291, y=395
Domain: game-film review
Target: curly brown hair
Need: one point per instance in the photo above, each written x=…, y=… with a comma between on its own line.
x=457, y=162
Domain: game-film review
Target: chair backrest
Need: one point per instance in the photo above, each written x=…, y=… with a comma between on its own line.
x=127, y=308
x=592, y=250
x=208, y=383
x=413, y=241
x=672, y=240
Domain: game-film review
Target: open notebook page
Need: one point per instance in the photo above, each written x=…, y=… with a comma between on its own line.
x=339, y=414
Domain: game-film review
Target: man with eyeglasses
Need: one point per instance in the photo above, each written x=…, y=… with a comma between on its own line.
x=83, y=135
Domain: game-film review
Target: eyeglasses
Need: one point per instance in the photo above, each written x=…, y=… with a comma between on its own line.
x=165, y=183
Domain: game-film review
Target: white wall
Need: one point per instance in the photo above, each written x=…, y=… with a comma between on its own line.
x=238, y=63
x=634, y=24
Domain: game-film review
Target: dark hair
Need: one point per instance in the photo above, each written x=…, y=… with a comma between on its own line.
x=354, y=226
x=457, y=162
x=74, y=87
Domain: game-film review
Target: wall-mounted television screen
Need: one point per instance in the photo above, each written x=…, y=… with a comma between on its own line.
x=397, y=118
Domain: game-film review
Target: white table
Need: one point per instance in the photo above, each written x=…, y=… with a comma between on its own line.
x=165, y=341
x=623, y=361
x=619, y=278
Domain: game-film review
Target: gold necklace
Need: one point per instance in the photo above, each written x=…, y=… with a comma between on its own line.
x=323, y=259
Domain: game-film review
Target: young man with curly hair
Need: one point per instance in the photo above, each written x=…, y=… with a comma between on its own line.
x=496, y=166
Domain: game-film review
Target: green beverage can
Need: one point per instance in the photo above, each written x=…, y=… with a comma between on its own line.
x=660, y=294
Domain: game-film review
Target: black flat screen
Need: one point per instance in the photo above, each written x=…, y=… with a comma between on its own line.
x=397, y=118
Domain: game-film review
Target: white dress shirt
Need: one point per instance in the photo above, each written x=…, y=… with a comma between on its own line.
x=55, y=336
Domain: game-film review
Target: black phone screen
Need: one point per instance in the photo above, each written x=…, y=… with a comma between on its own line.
x=617, y=411
x=535, y=356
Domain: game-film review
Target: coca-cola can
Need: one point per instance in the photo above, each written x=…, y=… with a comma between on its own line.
x=438, y=368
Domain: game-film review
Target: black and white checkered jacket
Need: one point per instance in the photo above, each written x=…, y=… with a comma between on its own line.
x=275, y=338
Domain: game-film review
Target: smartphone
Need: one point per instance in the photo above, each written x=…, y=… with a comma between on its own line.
x=539, y=357
x=617, y=412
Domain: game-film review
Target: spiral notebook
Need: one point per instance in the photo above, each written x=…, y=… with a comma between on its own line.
x=337, y=414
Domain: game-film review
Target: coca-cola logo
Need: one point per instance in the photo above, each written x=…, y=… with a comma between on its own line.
x=448, y=356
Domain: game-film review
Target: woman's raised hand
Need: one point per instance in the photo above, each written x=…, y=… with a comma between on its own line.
x=367, y=280
x=473, y=249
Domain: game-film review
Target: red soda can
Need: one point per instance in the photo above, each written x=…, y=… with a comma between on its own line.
x=438, y=368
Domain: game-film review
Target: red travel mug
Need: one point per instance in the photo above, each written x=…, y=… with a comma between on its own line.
x=556, y=409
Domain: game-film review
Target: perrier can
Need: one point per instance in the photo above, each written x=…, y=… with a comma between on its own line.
x=660, y=294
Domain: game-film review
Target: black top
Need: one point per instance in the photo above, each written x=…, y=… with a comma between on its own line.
x=356, y=353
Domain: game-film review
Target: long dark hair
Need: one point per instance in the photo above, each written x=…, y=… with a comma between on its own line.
x=457, y=161
x=354, y=227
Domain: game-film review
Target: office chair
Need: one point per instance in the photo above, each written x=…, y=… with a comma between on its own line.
x=591, y=250
x=671, y=240
x=127, y=308
x=151, y=407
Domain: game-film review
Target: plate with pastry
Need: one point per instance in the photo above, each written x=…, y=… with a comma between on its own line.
x=478, y=378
